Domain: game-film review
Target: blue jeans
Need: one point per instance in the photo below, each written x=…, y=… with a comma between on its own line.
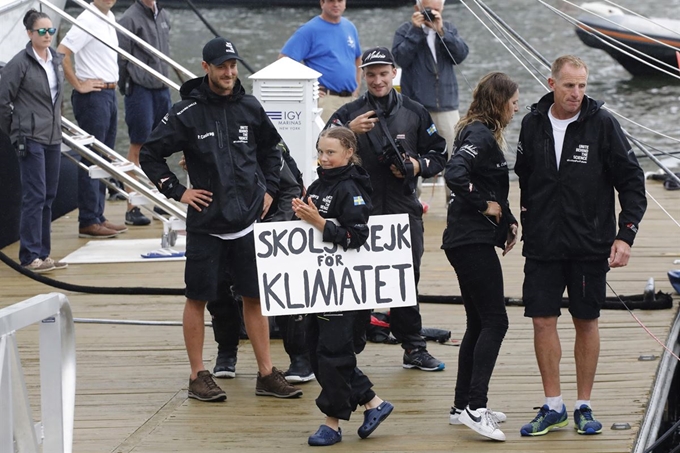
x=96, y=113
x=144, y=109
x=39, y=181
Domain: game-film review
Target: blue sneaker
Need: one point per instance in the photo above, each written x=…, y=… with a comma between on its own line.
x=325, y=436
x=546, y=420
x=584, y=423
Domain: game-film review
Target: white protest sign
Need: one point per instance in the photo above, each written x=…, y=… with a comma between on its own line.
x=299, y=273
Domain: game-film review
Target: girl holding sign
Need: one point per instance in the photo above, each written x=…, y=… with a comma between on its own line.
x=341, y=192
x=478, y=220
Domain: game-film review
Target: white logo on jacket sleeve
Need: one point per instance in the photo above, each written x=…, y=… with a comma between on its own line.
x=469, y=149
x=206, y=135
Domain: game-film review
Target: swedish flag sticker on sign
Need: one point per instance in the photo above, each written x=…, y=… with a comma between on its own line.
x=358, y=201
x=432, y=129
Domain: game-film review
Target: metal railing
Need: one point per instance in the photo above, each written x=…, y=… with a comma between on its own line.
x=18, y=431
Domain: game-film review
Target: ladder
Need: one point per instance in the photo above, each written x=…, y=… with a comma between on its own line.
x=107, y=163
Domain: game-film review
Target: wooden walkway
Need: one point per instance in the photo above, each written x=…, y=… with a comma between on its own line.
x=131, y=380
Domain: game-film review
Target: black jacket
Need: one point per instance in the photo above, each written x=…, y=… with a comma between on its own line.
x=290, y=187
x=344, y=194
x=569, y=213
x=230, y=146
x=477, y=173
x=410, y=125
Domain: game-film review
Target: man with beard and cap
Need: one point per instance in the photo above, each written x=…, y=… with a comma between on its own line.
x=388, y=123
x=231, y=153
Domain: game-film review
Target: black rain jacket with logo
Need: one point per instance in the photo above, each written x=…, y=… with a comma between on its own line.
x=570, y=213
x=410, y=125
x=476, y=173
x=343, y=193
x=230, y=146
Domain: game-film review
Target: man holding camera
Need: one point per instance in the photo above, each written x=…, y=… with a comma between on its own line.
x=426, y=49
x=397, y=143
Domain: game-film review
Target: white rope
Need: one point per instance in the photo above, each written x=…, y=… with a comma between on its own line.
x=500, y=41
x=623, y=26
x=509, y=36
x=576, y=22
x=662, y=208
x=651, y=21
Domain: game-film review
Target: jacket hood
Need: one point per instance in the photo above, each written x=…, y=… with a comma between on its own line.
x=351, y=171
x=198, y=90
x=589, y=106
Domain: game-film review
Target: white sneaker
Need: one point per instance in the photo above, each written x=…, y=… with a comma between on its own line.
x=454, y=414
x=482, y=422
x=55, y=264
x=39, y=266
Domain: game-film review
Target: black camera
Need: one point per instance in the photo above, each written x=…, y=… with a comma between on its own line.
x=395, y=155
x=428, y=14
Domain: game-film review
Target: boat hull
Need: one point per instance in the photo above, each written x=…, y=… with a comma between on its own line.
x=620, y=33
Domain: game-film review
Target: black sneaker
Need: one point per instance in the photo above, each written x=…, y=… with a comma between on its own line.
x=300, y=369
x=135, y=217
x=225, y=365
x=160, y=211
x=203, y=388
x=421, y=359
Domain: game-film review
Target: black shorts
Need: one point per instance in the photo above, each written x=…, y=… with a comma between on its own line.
x=545, y=281
x=211, y=261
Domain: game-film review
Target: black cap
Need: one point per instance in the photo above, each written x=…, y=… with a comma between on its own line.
x=218, y=50
x=377, y=55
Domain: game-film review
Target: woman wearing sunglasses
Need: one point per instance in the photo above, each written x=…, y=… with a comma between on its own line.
x=31, y=89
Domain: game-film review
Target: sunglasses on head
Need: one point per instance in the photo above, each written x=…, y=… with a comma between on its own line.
x=43, y=31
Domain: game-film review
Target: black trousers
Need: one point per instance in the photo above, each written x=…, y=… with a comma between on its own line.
x=227, y=322
x=481, y=284
x=405, y=322
x=334, y=339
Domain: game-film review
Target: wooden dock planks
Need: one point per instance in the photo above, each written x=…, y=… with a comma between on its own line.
x=131, y=394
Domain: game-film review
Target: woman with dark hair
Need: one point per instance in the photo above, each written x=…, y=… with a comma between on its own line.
x=31, y=90
x=478, y=220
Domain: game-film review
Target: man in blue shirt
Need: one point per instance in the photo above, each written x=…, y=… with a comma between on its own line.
x=329, y=43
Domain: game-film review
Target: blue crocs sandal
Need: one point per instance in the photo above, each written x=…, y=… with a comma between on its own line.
x=373, y=418
x=324, y=436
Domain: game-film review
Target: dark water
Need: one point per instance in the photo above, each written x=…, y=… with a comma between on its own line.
x=259, y=34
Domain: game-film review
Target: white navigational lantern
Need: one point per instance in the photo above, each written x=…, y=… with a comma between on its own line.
x=289, y=92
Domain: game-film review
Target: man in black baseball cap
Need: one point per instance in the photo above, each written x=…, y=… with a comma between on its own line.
x=218, y=50
x=387, y=125
x=377, y=55
x=230, y=147
x=219, y=63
